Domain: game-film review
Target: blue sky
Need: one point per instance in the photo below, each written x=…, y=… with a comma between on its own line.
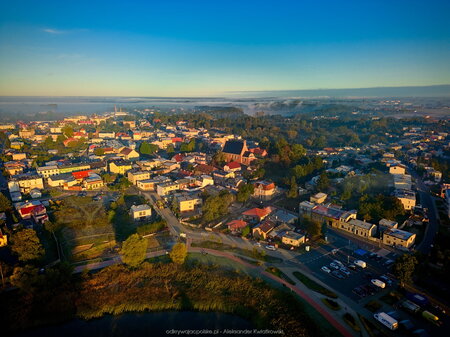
x=194, y=48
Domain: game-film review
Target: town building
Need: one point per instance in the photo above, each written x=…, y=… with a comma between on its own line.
x=187, y=202
x=292, y=238
x=264, y=190
x=398, y=238
x=140, y=212
x=237, y=150
x=120, y=167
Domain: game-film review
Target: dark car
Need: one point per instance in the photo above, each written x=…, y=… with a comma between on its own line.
x=407, y=325
x=337, y=274
x=420, y=333
x=368, y=275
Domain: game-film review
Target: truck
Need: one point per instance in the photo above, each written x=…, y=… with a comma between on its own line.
x=431, y=318
x=410, y=306
x=386, y=320
x=360, y=263
x=378, y=283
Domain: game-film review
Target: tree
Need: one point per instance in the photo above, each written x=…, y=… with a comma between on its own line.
x=25, y=278
x=67, y=131
x=244, y=192
x=26, y=244
x=219, y=158
x=5, y=204
x=147, y=148
x=134, y=250
x=245, y=231
x=178, y=253
x=170, y=148
x=99, y=151
x=323, y=182
x=404, y=267
x=293, y=190
x=313, y=228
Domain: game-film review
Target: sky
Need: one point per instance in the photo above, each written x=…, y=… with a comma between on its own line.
x=202, y=48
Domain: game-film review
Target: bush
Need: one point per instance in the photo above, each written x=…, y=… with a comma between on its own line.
x=373, y=306
x=151, y=228
x=350, y=320
x=333, y=305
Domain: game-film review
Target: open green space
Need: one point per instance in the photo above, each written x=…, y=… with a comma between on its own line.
x=277, y=272
x=314, y=285
x=255, y=253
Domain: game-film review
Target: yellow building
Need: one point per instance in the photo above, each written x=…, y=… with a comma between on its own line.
x=119, y=167
x=292, y=239
x=140, y=212
x=399, y=238
x=48, y=171
x=135, y=176
x=165, y=188
x=187, y=203
x=25, y=184
x=26, y=133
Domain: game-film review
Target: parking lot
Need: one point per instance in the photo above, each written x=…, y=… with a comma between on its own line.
x=331, y=264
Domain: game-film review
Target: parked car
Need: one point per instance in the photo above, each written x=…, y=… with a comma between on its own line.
x=352, y=267
x=258, y=244
x=334, y=266
x=378, y=283
x=339, y=263
x=407, y=325
x=337, y=274
x=268, y=247
x=326, y=269
x=344, y=271
x=420, y=333
x=388, y=263
x=386, y=279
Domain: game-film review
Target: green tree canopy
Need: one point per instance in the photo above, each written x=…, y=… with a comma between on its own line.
x=404, y=267
x=134, y=250
x=293, y=190
x=178, y=253
x=27, y=246
x=323, y=182
x=147, y=148
x=5, y=204
x=244, y=192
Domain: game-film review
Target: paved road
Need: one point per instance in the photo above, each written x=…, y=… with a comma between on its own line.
x=427, y=201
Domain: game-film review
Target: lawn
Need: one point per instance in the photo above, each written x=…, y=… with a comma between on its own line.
x=255, y=253
x=314, y=285
x=277, y=272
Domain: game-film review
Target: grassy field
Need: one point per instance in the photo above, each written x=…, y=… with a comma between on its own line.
x=314, y=285
x=255, y=253
x=277, y=272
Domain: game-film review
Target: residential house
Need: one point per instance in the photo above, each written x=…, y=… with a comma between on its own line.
x=164, y=189
x=257, y=214
x=187, y=202
x=236, y=225
x=397, y=169
x=407, y=198
x=140, y=212
x=318, y=198
x=292, y=238
x=232, y=166
x=264, y=189
x=25, y=183
x=135, y=175
x=358, y=228
x=120, y=167
x=263, y=229
x=128, y=153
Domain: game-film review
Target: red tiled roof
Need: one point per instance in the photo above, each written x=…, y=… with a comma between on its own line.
x=233, y=165
x=178, y=157
x=177, y=140
x=236, y=224
x=257, y=212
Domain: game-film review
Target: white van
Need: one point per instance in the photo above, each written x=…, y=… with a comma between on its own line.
x=378, y=283
x=360, y=263
x=386, y=320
